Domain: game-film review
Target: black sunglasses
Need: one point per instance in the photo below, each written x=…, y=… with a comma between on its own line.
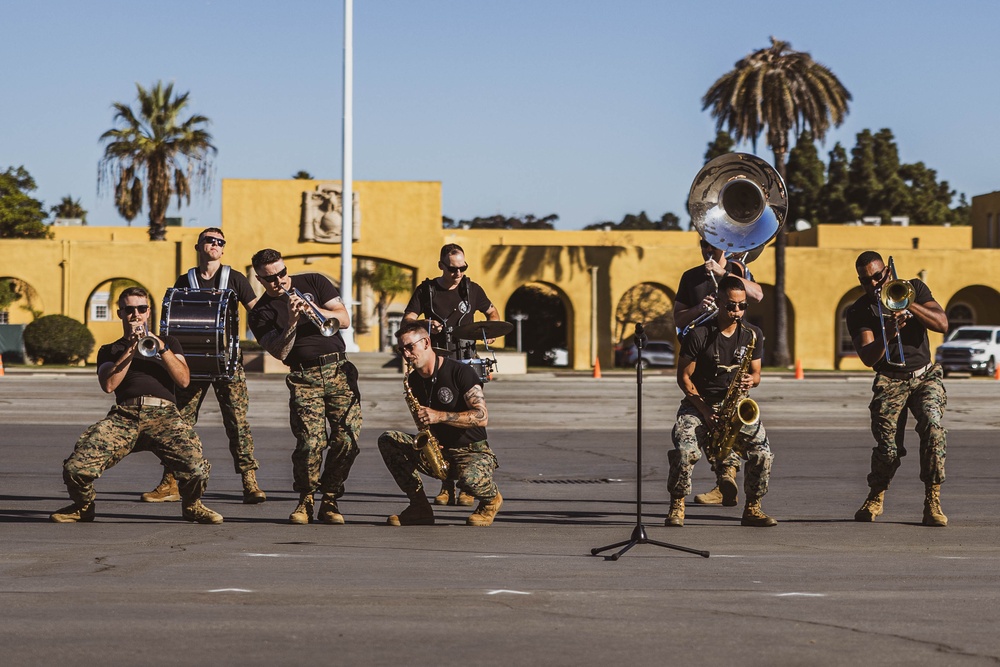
x=128, y=310
x=877, y=278
x=276, y=277
x=409, y=346
x=733, y=307
x=457, y=269
x=211, y=240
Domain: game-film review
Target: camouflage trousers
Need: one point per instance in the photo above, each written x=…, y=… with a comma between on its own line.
x=234, y=402
x=471, y=466
x=690, y=436
x=133, y=428
x=926, y=399
x=318, y=396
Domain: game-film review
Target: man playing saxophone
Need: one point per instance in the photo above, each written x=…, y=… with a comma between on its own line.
x=450, y=404
x=712, y=371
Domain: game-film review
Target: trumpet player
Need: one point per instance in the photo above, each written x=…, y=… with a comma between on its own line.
x=696, y=298
x=298, y=320
x=712, y=358
x=142, y=371
x=881, y=337
x=453, y=408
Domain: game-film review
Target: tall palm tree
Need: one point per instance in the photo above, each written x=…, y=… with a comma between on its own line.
x=774, y=91
x=70, y=208
x=153, y=144
x=386, y=280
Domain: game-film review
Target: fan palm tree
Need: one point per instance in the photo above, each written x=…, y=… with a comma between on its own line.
x=153, y=144
x=386, y=280
x=69, y=208
x=772, y=92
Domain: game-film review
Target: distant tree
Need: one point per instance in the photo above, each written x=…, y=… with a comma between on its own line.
x=806, y=178
x=21, y=215
x=303, y=176
x=834, y=206
x=155, y=144
x=892, y=193
x=641, y=222
x=69, y=208
x=721, y=145
x=9, y=293
x=862, y=182
x=927, y=202
x=386, y=280
x=502, y=222
x=962, y=213
x=773, y=91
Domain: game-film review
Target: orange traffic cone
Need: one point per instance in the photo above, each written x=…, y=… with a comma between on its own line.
x=799, y=375
x=1, y=365
x=996, y=373
x=597, y=368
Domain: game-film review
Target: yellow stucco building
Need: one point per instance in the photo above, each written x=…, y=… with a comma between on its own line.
x=591, y=271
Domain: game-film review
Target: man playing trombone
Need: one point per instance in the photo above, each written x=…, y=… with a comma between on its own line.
x=891, y=338
x=298, y=320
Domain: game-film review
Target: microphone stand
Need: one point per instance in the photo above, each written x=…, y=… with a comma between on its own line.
x=639, y=532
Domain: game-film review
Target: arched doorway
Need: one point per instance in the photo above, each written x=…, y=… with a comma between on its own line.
x=540, y=314
x=975, y=304
x=844, y=344
x=19, y=301
x=651, y=304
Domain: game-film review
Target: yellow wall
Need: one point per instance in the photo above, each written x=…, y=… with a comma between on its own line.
x=401, y=223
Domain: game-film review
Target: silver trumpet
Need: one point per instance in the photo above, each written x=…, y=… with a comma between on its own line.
x=148, y=347
x=326, y=326
x=894, y=296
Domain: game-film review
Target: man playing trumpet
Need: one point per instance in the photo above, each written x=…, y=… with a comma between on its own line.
x=711, y=358
x=452, y=406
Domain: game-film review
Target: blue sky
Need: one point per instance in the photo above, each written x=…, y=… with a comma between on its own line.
x=586, y=109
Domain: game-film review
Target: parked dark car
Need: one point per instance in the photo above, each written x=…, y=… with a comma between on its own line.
x=655, y=353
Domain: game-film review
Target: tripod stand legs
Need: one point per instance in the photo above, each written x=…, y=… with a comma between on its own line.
x=639, y=537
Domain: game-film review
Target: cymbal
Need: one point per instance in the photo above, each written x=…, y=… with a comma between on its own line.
x=487, y=329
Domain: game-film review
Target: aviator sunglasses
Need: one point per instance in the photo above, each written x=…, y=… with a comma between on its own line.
x=276, y=277
x=733, y=307
x=128, y=310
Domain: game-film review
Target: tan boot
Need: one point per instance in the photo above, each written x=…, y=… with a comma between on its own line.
x=465, y=499
x=872, y=506
x=303, y=512
x=933, y=516
x=198, y=513
x=165, y=492
x=487, y=510
x=713, y=497
x=675, y=517
x=329, y=512
x=447, y=494
x=418, y=513
x=754, y=516
x=252, y=494
x=728, y=488
x=74, y=513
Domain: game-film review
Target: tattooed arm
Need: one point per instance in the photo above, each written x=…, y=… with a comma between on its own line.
x=475, y=416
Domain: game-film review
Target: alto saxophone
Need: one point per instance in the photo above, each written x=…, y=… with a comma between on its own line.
x=427, y=446
x=736, y=411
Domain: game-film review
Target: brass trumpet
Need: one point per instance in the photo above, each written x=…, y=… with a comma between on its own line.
x=148, y=347
x=326, y=326
x=894, y=296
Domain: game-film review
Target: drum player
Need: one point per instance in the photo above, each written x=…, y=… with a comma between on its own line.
x=447, y=302
x=212, y=274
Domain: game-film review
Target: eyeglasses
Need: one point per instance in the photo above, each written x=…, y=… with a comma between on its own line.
x=274, y=278
x=129, y=310
x=733, y=307
x=409, y=346
x=211, y=240
x=876, y=278
x=457, y=269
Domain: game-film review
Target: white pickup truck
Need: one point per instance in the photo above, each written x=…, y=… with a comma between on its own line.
x=970, y=349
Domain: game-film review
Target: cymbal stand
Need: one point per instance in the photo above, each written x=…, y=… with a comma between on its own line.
x=639, y=532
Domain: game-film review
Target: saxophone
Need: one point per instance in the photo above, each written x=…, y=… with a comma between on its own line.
x=427, y=446
x=736, y=411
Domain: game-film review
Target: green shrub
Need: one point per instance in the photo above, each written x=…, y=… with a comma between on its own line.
x=57, y=339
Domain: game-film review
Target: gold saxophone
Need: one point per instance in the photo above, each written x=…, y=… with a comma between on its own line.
x=427, y=446
x=735, y=412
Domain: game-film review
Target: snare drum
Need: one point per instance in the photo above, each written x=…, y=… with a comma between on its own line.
x=206, y=322
x=483, y=367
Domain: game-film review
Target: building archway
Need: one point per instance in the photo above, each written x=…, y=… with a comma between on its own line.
x=975, y=304
x=20, y=303
x=652, y=304
x=101, y=313
x=545, y=315
x=844, y=345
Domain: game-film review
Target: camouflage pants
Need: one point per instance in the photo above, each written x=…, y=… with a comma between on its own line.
x=135, y=428
x=234, y=402
x=690, y=435
x=926, y=399
x=471, y=466
x=317, y=396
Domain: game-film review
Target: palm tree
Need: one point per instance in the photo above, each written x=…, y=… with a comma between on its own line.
x=155, y=145
x=386, y=280
x=69, y=208
x=773, y=91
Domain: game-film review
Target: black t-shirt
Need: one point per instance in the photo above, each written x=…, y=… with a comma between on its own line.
x=146, y=376
x=445, y=390
x=696, y=284
x=863, y=314
x=448, y=305
x=717, y=357
x=271, y=314
x=237, y=282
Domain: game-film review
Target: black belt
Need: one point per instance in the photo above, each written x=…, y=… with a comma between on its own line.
x=146, y=400
x=905, y=375
x=322, y=360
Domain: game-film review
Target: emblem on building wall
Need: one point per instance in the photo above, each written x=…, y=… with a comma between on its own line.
x=323, y=214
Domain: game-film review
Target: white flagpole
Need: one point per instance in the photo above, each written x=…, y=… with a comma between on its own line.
x=347, y=227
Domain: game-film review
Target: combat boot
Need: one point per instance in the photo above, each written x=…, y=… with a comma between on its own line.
x=727, y=486
x=74, y=513
x=465, y=499
x=713, y=497
x=303, y=513
x=198, y=513
x=676, y=515
x=251, y=492
x=418, y=513
x=447, y=494
x=754, y=516
x=933, y=516
x=329, y=512
x=872, y=506
x=483, y=516
x=165, y=492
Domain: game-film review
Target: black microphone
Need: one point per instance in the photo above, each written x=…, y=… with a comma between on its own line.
x=640, y=336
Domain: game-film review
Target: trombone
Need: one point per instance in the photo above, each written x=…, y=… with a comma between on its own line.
x=894, y=296
x=326, y=326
